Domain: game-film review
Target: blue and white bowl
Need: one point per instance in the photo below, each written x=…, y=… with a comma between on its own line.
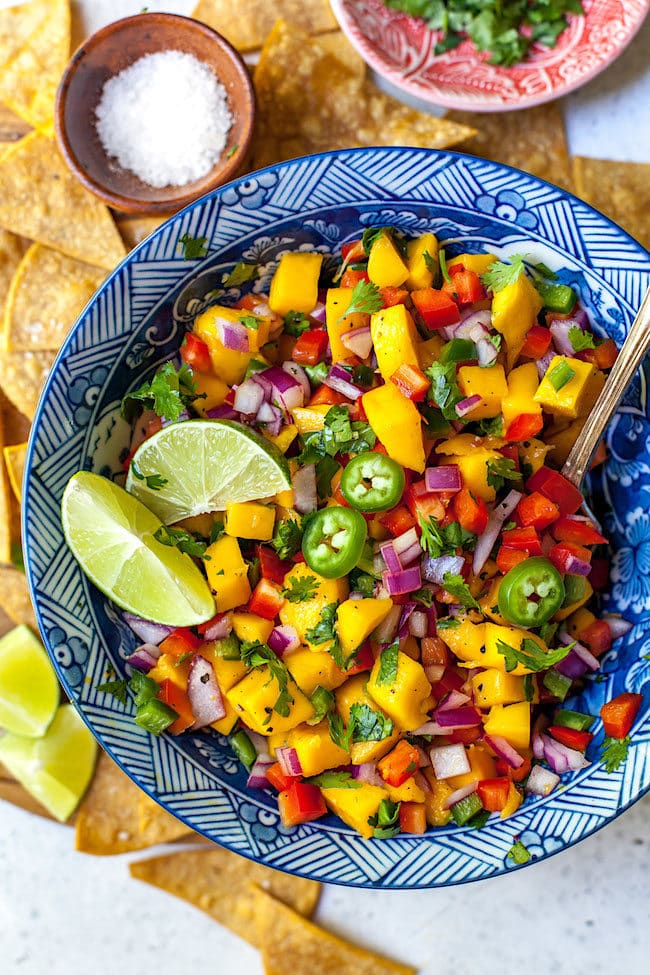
x=136, y=322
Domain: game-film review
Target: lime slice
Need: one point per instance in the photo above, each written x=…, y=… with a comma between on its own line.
x=57, y=768
x=111, y=534
x=207, y=464
x=29, y=690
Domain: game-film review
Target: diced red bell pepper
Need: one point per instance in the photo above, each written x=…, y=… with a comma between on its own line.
x=203, y=628
x=523, y=539
x=279, y=779
x=266, y=600
x=176, y=698
x=413, y=818
x=271, y=565
x=508, y=558
x=310, y=347
x=534, y=510
x=571, y=737
x=422, y=503
x=248, y=302
x=562, y=555
x=411, y=382
x=525, y=426
x=364, y=660
x=537, y=344
x=301, y=803
x=493, y=793
x=324, y=396
x=180, y=641
x=556, y=488
x=351, y=277
x=465, y=287
x=195, y=353
x=353, y=251
x=397, y=520
x=393, y=296
x=450, y=681
x=618, y=714
x=516, y=774
x=471, y=512
x=464, y=736
x=435, y=652
x=400, y=764
x=512, y=453
x=435, y=308
x=578, y=532
x=597, y=637
x=599, y=575
x=606, y=354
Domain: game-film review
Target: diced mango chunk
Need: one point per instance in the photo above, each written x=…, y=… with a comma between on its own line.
x=356, y=806
x=394, y=338
x=294, y=286
x=305, y=615
x=386, y=266
x=338, y=323
x=478, y=263
x=353, y=692
x=522, y=386
x=405, y=699
x=254, y=697
x=495, y=687
x=228, y=364
x=420, y=275
x=357, y=618
x=573, y=397
x=310, y=670
x=316, y=750
x=249, y=626
x=490, y=384
x=398, y=425
x=510, y=721
x=250, y=519
x=514, y=311
x=227, y=574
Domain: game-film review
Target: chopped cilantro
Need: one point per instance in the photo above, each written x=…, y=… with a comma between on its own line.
x=295, y=323
x=155, y=482
x=256, y=654
x=531, y=655
x=385, y=822
x=241, y=273
x=193, y=247
x=324, y=630
x=17, y=559
x=614, y=752
x=216, y=531
x=430, y=264
x=444, y=392
x=423, y=596
x=323, y=701
x=287, y=538
x=440, y=540
x=301, y=590
x=118, y=688
x=334, y=780
x=168, y=393
x=388, y=664
x=456, y=586
x=518, y=853
x=184, y=541
x=251, y=322
x=369, y=725
x=365, y=298
x=339, y=435
x=492, y=427
x=442, y=258
x=580, y=340
x=499, y=275
x=500, y=470
x=363, y=375
x=370, y=235
x=447, y=623
x=233, y=149
x=339, y=734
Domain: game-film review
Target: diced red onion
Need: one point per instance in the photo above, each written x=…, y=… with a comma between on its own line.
x=577, y=567
x=434, y=672
x=422, y=781
x=257, y=778
x=541, y=781
x=358, y=341
x=338, y=379
x=572, y=666
x=448, y=760
x=300, y=375
x=560, y=328
x=486, y=351
x=248, y=397
x=407, y=611
x=390, y=557
x=503, y=749
x=455, y=699
x=434, y=570
x=474, y=324
x=452, y=718
x=232, y=335
x=144, y=658
x=271, y=418
x=544, y=362
x=387, y=629
x=287, y=391
x=591, y=662
x=204, y=694
x=220, y=629
x=445, y=478
x=305, y=498
x=148, y=631
x=367, y=772
x=418, y=624
x=560, y=757
x=319, y=311
x=283, y=639
x=408, y=548
x=400, y=583
x=223, y=412
x=288, y=759
x=618, y=626
x=467, y=405
x=497, y=517
x=459, y=794
x=423, y=758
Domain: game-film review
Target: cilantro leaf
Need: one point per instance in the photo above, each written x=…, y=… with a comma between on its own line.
x=369, y=236
x=168, y=393
x=118, y=688
x=444, y=392
x=193, y=247
x=423, y=596
x=339, y=734
x=369, y=725
x=385, y=822
x=323, y=702
x=499, y=275
x=334, y=780
x=442, y=259
x=339, y=435
x=256, y=654
x=287, y=538
x=155, y=482
x=614, y=752
x=388, y=664
x=17, y=559
x=241, y=273
x=429, y=263
x=301, y=590
x=324, y=630
x=492, y=427
x=365, y=298
x=456, y=586
x=500, y=470
x=184, y=541
x=580, y=340
x=251, y=322
x=447, y=623
x=440, y=540
x=518, y=853
x=295, y=323
x=531, y=655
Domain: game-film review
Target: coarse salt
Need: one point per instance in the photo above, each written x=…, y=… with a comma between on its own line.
x=165, y=118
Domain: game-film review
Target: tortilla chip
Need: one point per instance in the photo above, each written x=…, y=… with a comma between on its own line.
x=48, y=293
x=221, y=884
x=23, y=375
x=133, y=230
x=12, y=127
x=5, y=508
x=533, y=139
x=14, y=455
x=246, y=23
x=14, y=597
x=16, y=424
x=336, y=43
x=11, y=252
x=291, y=943
x=307, y=95
x=108, y=819
x=621, y=190
x=41, y=199
x=17, y=23
x=28, y=82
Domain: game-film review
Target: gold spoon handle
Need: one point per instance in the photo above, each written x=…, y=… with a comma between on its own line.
x=628, y=361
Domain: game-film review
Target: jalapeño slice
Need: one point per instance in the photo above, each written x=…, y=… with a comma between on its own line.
x=333, y=541
x=531, y=592
x=372, y=482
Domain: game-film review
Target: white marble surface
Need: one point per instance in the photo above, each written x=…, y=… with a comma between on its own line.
x=585, y=910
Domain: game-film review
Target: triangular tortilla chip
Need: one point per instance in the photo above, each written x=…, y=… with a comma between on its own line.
x=308, y=99
x=42, y=200
x=290, y=943
x=220, y=883
x=22, y=377
x=14, y=455
x=6, y=495
x=12, y=128
x=108, y=819
x=245, y=23
x=14, y=597
x=17, y=23
x=28, y=82
x=133, y=230
x=621, y=190
x=48, y=293
x=336, y=43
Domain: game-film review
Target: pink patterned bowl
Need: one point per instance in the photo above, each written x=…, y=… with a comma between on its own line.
x=401, y=49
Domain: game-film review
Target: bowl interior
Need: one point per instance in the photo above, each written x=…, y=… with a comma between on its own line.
x=137, y=321
x=106, y=54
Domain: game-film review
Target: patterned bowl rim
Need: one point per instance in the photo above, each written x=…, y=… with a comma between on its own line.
x=409, y=843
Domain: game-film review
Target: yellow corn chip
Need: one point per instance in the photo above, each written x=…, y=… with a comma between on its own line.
x=247, y=22
x=336, y=43
x=220, y=883
x=11, y=252
x=16, y=424
x=41, y=199
x=12, y=128
x=15, y=598
x=308, y=98
x=108, y=819
x=17, y=23
x=28, y=82
x=290, y=942
x=48, y=293
x=621, y=190
x=23, y=375
x=5, y=508
x=133, y=230
x=14, y=455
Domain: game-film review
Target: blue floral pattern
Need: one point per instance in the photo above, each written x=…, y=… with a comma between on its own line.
x=70, y=653
x=252, y=192
x=84, y=392
x=630, y=571
x=508, y=205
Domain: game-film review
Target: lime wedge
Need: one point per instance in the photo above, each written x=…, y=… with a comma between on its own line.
x=29, y=690
x=57, y=768
x=206, y=464
x=111, y=534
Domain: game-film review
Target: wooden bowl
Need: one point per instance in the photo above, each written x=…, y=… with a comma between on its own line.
x=111, y=50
